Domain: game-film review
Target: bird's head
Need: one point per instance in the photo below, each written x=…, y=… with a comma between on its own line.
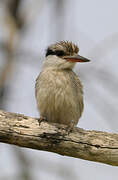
x=63, y=55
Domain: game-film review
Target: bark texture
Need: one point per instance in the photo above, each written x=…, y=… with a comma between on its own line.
x=25, y=131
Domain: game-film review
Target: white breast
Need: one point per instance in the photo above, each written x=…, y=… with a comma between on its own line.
x=57, y=100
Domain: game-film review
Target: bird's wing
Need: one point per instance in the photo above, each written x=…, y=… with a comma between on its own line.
x=37, y=84
x=78, y=90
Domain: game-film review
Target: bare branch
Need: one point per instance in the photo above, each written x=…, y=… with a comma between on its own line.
x=25, y=131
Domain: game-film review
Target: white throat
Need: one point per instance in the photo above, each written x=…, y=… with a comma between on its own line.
x=54, y=62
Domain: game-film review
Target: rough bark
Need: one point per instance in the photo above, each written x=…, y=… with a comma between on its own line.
x=25, y=131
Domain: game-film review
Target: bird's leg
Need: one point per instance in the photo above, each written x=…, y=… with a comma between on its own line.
x=70, y=127
x=41, y=119
x=69, y=130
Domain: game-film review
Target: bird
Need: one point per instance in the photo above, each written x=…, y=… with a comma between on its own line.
x=58, y=90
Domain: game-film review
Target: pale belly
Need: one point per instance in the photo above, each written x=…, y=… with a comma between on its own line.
x=57, y=98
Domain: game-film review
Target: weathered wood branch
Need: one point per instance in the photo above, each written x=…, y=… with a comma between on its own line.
x=25, y=131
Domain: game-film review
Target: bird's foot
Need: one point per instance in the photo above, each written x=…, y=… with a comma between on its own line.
x=41, y=119
x=69, y=130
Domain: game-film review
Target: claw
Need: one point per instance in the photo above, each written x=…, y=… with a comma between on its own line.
x=41, y=119
x=70, y=128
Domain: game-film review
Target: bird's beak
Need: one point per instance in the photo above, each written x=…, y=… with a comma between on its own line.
x=77, y=58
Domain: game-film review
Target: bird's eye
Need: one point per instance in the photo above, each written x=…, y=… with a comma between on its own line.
x=59, y=53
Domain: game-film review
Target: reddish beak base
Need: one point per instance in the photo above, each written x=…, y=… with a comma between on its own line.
x=77, y=58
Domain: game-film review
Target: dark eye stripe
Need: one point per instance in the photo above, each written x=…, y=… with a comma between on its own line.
x=57, y=52
x=49, y=52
